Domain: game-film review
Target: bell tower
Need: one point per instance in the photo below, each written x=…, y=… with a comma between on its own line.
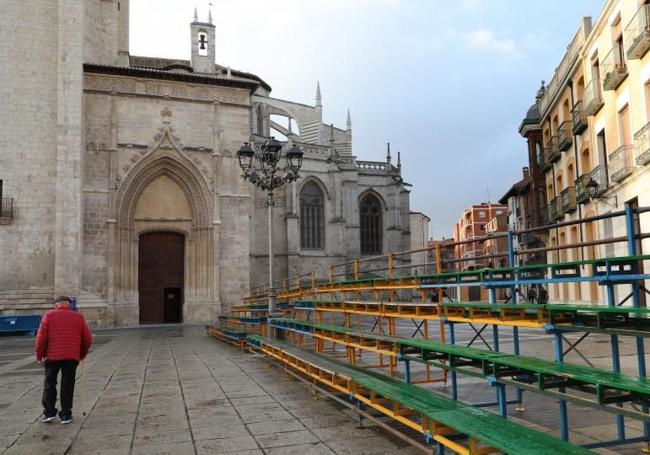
x=203, y=42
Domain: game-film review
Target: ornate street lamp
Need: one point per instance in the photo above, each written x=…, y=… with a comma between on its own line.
x=261, y=169
x=592, y=188
x=592, y=192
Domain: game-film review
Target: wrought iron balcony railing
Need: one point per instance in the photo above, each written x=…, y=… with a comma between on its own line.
x=555, y=212
x=6, y=207
x=568, y=199
x=564, y=136
x=554, y=150
x=614, y=68
x=642, y=145
x=637, y=33
x=582, y=194
x=599, y=175
x=620, y=163
x=593, y=97
x=579, y=118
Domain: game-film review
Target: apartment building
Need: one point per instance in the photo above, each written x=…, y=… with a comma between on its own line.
x=595, y=136
x=471, y=226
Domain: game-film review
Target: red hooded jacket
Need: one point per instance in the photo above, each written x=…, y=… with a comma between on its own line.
x=62, y=335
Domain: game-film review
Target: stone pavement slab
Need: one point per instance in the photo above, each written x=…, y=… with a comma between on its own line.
x=174, y=390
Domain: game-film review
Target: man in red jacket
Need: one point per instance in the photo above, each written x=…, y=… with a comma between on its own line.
x=63, y=340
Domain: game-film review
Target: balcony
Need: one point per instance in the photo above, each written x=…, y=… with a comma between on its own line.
x=642, y=145
x=564, y=136
x=555, y=210
x=581, y=188
x=6, y=210
x=613, y=68
x=568, y=199
x=553, y=151
x=637, y=34
x=578, y=118
x=620, y=163
x=599, y=175
x=593, y=98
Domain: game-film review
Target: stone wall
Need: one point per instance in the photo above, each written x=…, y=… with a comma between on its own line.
x=40, y=137
x=342, y=187
x=176, y=137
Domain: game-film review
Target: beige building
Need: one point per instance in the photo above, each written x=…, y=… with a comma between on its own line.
x=420, y=263
x=120, y=182
x=594, y=116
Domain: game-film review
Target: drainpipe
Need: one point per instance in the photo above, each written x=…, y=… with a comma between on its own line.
x=557, y=230
x=577, y=167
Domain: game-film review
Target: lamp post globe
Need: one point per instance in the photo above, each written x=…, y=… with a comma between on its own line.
x=294, y=158
x=245, y=156
x=271, y=151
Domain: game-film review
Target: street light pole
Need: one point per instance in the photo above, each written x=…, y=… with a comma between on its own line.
x=260, y=168
x=270, y=203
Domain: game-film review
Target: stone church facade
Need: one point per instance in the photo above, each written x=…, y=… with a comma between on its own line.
x=124, y=181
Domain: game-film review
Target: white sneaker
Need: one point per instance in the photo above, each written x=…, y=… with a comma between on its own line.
x=48, y=419
x=65, y=421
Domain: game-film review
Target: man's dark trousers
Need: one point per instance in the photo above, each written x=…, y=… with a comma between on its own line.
x=68, y=370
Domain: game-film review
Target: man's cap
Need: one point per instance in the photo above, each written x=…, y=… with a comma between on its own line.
x=63, y=298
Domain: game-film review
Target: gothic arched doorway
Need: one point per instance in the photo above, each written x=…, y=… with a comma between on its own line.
x=161, y=270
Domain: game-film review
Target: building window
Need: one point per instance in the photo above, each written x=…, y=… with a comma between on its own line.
x=203, y=42
x=312, y=219
x=482, y=214
x=260, y=120
x=370, y=224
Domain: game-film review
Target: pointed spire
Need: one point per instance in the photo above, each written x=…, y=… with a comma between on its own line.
x=196, y=15
x=210, y=16
x=349, y=121
x=228, y=73
x=388, y=157
x=319, y=100
x=332, y=133
x=399, y=162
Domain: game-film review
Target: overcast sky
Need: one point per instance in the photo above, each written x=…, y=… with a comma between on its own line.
x=447, y=82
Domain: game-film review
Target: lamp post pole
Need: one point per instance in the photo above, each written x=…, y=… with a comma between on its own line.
x=271, y=291
x=260, y=168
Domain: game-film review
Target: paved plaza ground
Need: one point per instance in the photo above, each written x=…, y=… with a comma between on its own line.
x=174, y=390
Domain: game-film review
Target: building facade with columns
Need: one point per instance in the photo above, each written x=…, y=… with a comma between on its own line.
x=120, y=182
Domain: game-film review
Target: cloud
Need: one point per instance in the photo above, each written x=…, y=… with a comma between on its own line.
x=485, y=39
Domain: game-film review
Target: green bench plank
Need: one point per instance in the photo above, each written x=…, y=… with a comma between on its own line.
x=490, y=429
x=597, y=309
x=580, y=373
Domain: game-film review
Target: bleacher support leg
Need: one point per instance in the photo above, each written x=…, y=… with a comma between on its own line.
x=501, y=400
x=454, y=383
x=407, y=371
x=564, y=419
x=636, y=301
x=616, y=361
x=515, y=330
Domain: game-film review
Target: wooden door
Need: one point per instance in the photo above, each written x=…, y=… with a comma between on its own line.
x=161, y=266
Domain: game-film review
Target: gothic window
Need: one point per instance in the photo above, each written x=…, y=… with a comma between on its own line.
x=312, y=217
x=370, y=224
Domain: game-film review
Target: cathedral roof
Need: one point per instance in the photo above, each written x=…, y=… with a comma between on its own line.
x=170, y=64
